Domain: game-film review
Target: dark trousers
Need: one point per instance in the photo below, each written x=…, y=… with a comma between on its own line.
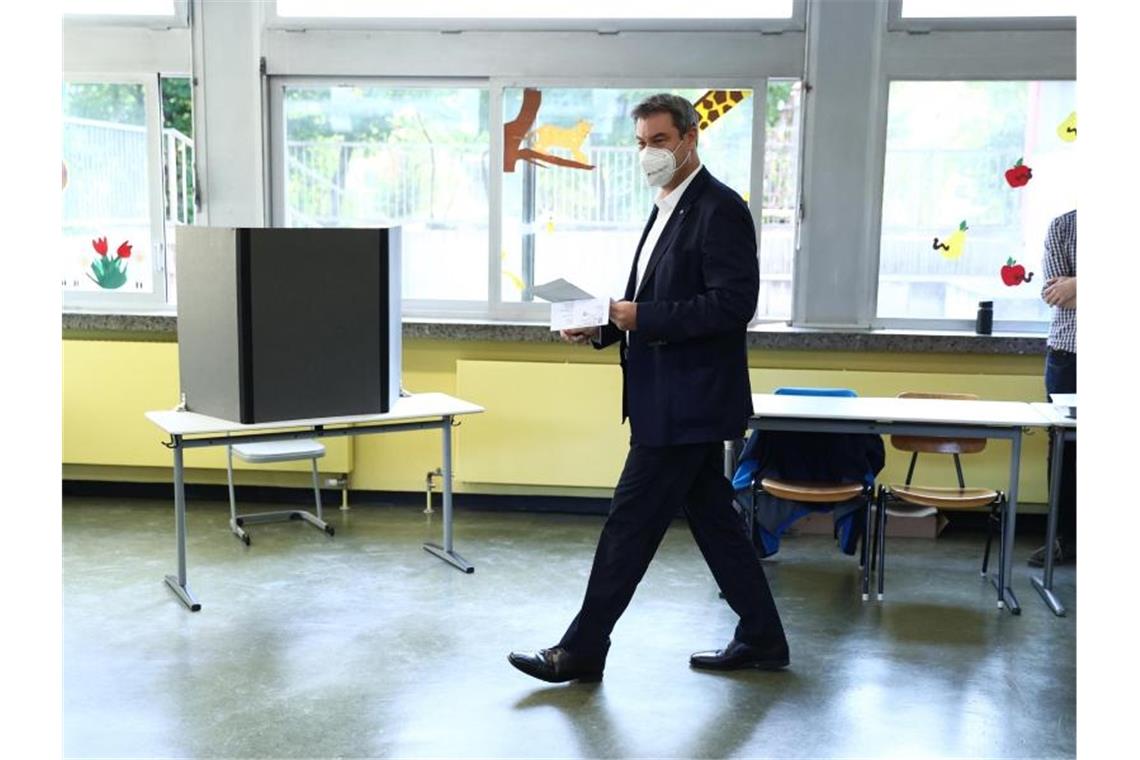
x=1061, y=377
x=653, y=484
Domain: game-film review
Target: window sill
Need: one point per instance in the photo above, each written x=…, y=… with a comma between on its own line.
x=162, y=325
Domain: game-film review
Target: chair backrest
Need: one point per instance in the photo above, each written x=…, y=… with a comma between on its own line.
x=800, y=391
x=742, y=477
x=930, y=445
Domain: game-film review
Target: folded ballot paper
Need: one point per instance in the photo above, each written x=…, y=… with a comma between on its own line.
x=571, y=307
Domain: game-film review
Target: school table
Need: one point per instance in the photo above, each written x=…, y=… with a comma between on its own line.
x=911, y=416
x=421, y=411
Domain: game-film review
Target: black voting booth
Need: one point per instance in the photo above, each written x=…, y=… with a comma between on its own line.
x=280, y=324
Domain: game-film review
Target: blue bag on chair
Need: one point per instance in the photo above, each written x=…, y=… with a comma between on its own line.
x=809, y=457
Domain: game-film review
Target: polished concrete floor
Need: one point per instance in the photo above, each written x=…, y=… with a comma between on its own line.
x=365, y=645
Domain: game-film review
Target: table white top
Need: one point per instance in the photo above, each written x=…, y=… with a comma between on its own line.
x=418, y=406
x=875, y=409
x=1055, y=414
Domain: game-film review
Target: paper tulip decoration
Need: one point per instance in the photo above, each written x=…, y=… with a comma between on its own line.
x=110, y=271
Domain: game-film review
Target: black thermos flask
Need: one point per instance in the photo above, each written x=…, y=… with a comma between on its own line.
x=985, y=322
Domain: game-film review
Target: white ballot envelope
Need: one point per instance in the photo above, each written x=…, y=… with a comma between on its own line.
x=571, y=306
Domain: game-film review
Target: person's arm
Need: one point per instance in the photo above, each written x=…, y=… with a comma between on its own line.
x=1060, y=285
x=732, y=283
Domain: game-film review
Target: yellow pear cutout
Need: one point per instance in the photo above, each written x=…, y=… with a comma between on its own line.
x=951, y=247
x=1067, y=130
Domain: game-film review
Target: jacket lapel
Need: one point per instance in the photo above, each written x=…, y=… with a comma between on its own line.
x=665, y=242
x=631, y=283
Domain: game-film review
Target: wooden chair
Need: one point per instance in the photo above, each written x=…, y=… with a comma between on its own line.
x=908, y=500
x=822, y=493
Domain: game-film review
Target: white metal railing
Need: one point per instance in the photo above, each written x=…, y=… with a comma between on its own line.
x=179, y=180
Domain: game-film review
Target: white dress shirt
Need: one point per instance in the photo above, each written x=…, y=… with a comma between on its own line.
x=665, y=206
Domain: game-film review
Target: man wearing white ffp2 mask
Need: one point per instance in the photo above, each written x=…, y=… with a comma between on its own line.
x=681, y=329
x=660, y=165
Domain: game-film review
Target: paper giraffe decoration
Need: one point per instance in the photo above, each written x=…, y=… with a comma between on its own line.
x=716, y=103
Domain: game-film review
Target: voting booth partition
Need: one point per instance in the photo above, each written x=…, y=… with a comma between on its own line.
x=279, y=324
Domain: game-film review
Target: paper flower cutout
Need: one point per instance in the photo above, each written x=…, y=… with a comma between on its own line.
x=110, y=271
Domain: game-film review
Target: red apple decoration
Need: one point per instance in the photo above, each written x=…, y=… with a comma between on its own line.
x=1014, y=274
x=1018, y=174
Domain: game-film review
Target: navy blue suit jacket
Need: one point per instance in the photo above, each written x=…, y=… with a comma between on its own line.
x=685, y=369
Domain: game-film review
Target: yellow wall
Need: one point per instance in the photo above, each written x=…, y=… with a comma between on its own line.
x=552, y=421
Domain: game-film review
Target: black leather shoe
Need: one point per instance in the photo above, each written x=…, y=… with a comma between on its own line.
x=739, y=656
x=557, y=665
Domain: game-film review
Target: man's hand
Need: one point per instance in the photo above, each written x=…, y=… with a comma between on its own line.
x=580, y=334
x=624, y=314
x=1061, y=291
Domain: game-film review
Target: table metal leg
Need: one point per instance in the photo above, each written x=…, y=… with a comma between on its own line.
x=178, y=584
x=446, y=552
x=1005, y=579
x=1044, y=585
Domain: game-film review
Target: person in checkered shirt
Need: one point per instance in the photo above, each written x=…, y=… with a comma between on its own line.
x=1060, y=292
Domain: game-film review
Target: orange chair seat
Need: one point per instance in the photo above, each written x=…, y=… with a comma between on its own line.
x=945, y=498
x=818, y=493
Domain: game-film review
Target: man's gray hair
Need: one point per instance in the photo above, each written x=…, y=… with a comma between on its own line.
x=682, y=111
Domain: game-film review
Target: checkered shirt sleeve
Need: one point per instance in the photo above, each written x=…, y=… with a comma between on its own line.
x=1061, y=261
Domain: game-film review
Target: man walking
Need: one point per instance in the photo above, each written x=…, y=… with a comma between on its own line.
x=681, y=330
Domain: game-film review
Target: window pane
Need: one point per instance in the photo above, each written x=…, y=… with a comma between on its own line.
x=106, y=206
x=584, y=224
x=380, y=157
x=781, y=193
x=949, y=147
x=528, y=9
x=987, y=8
x=177, y=168
x=119, y=7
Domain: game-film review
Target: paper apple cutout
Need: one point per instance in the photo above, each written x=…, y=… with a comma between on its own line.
x=1014, y=274
x=1018, y=174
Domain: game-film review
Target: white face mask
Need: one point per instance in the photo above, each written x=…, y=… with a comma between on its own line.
x=659, y=165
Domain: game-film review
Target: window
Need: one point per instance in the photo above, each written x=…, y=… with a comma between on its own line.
x=525, y=9
x=112, y=232
x=582, y=221
x=180, y=195
x=572, y=205
x=157, y=13
x=958, y=213
x=375, y=156
x=987, y=8
x=926, y=15
x=126, y=182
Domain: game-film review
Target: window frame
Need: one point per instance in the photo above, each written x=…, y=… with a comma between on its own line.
x=180, y=19
x=610, y=26
x=129, y=301
x=876, y=224
x=896, y=22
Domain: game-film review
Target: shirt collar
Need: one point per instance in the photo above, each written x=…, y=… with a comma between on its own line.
x=666, y=204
